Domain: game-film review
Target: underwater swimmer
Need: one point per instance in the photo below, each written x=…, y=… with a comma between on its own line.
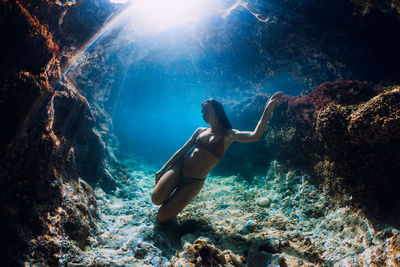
x=180, y=179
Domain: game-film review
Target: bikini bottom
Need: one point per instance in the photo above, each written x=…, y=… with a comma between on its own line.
x=188, y=180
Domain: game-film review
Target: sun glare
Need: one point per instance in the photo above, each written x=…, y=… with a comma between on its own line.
x=164, y=14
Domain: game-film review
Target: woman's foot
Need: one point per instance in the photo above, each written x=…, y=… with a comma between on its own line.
x=170, y=229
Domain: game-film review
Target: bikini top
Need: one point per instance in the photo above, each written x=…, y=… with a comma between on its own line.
x=215, y=148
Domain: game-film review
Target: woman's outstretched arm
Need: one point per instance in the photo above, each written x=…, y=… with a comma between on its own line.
x=178, y=154
x=254, y=136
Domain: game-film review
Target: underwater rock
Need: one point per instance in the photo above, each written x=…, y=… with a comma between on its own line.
x=263, y=202
x=377, y=121
x=345, y=135
x=363, y=149
x=203, y=253
x=47, y=212
x=73, y=121
x=386, y=254
x=250, y=227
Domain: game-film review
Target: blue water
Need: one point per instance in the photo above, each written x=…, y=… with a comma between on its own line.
x=152, y=83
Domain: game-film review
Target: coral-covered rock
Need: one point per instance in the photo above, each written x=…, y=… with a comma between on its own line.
x=203, y=253
x=362, y=145
x=345, y=134
x=340, y=92
x=362, y=142
x=377, y=121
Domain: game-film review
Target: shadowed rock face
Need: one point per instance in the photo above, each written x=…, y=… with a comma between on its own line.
x=365, y=152
x=49, y=141
x=75, y=123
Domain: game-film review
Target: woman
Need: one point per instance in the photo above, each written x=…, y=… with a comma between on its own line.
x=185, y=172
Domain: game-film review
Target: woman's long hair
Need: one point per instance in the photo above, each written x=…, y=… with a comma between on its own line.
x=219, y=112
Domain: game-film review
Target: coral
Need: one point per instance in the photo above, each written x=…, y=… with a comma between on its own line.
x=339, y=92
x=203, y=253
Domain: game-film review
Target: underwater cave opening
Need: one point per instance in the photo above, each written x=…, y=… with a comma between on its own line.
x=152, y=84
x=79, y=171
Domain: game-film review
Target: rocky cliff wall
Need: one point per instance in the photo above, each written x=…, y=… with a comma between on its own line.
x=49, y=147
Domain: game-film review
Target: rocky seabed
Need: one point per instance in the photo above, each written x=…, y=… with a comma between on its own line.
x=278, y=219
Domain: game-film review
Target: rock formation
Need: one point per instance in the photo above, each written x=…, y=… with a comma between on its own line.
x=49, y=143
x=345, y=134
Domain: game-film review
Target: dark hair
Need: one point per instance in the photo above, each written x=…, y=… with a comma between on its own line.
x=219, y=112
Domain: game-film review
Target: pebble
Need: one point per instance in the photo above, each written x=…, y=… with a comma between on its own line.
x=250, y=226
x=263, y=202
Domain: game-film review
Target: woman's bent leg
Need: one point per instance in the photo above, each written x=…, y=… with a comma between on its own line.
x=181, y=197
x=165, y=186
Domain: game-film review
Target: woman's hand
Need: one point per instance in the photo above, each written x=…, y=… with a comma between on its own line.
x=274, y=100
